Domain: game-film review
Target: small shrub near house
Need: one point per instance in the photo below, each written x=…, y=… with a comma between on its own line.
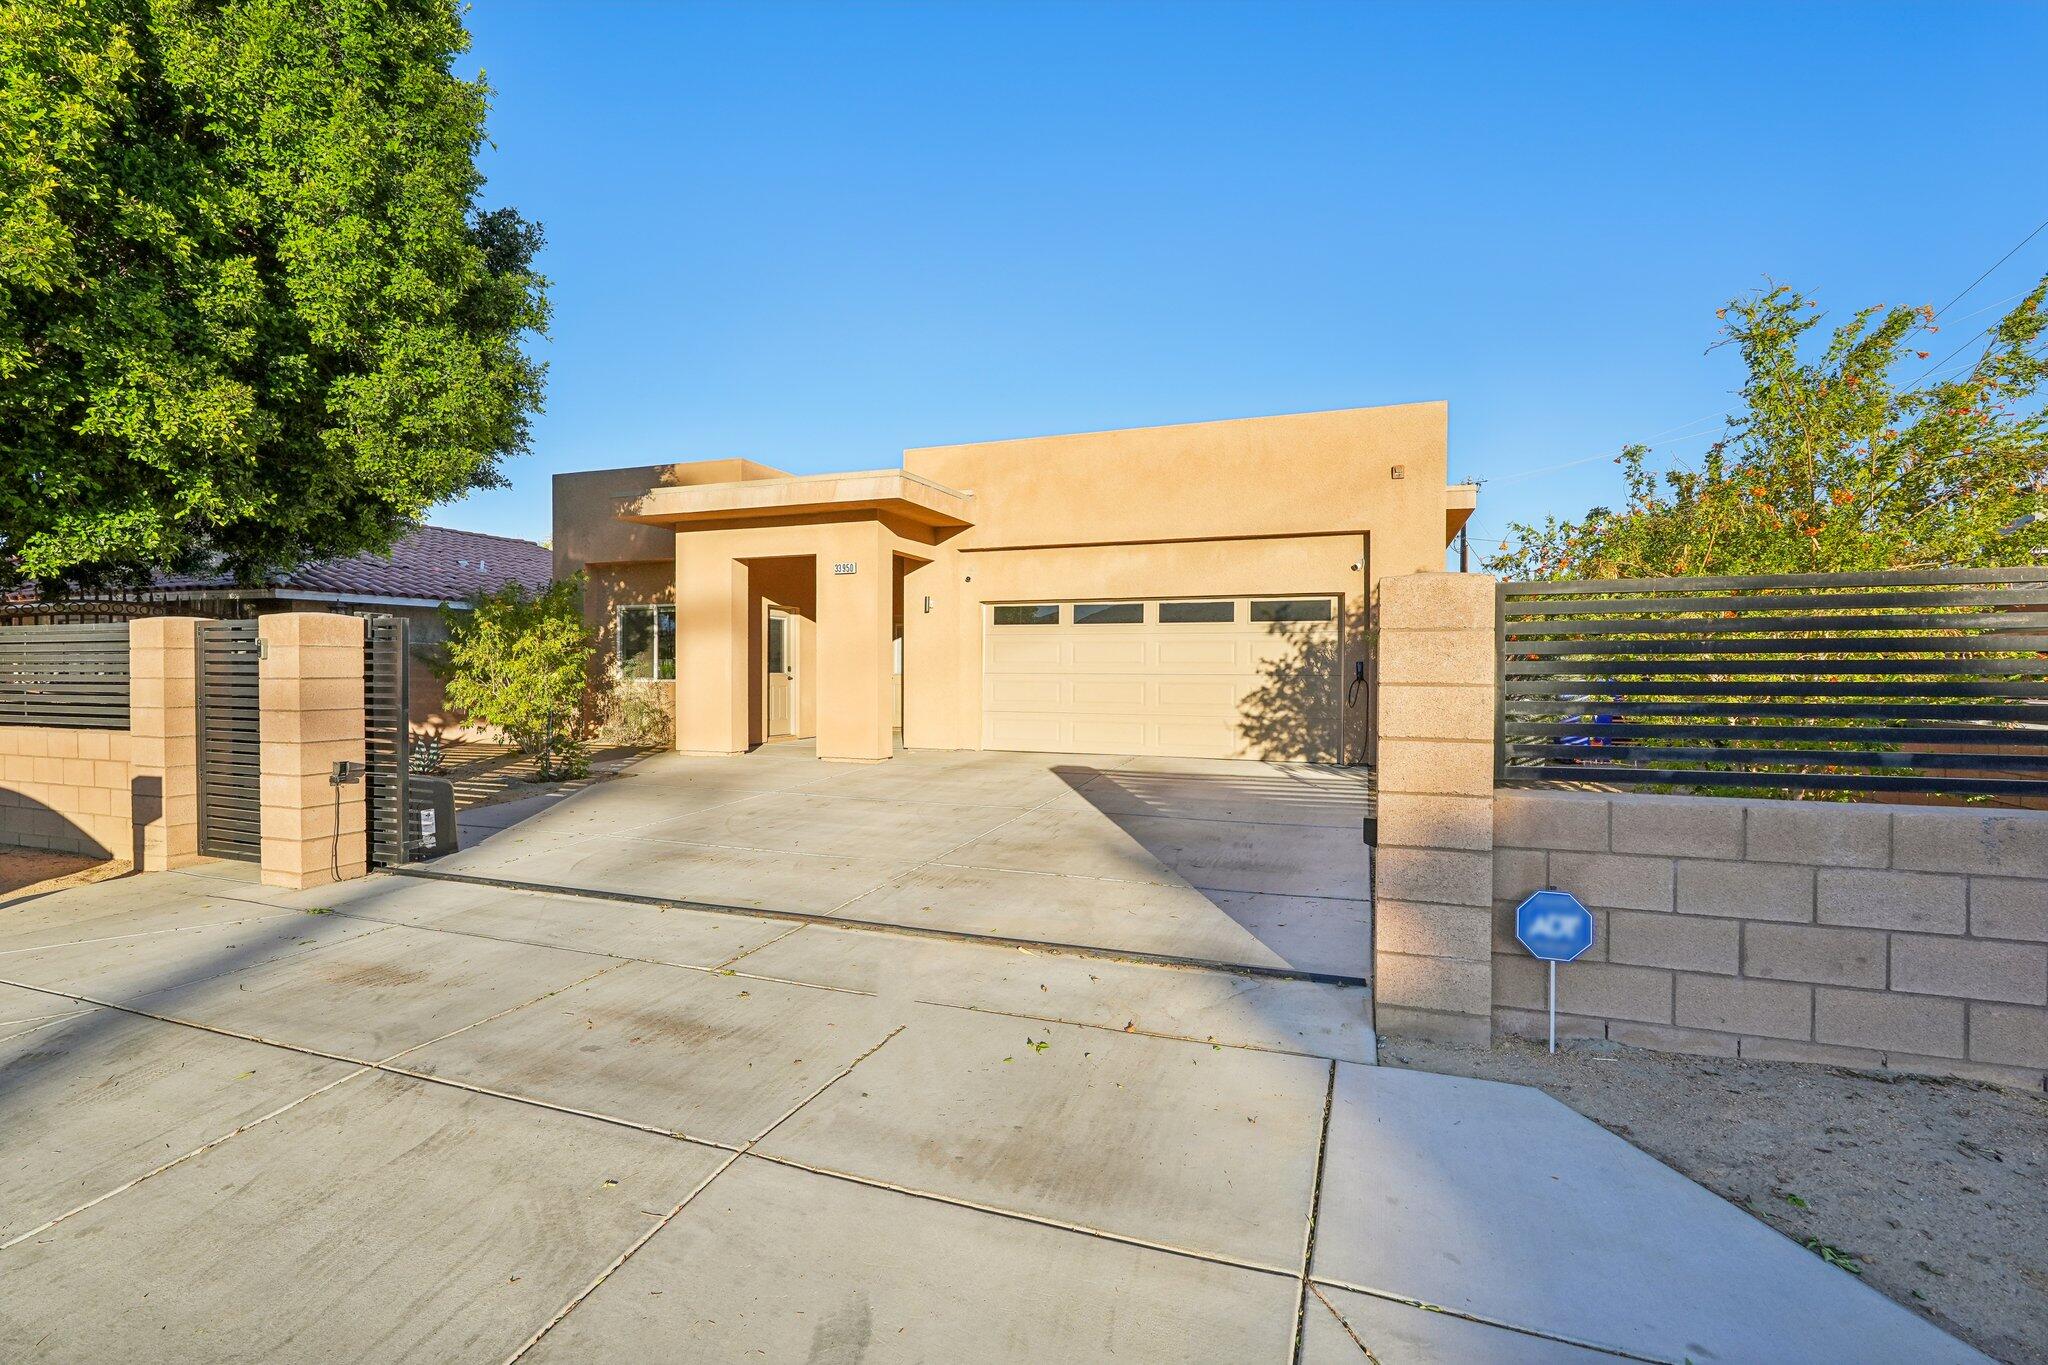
x=519, y=661
x=629, y=712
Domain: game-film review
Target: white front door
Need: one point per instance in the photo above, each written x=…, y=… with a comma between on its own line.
x=781, y=670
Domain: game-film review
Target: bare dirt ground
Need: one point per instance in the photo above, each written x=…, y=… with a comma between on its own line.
x=1934, y=1190
x=26, y=872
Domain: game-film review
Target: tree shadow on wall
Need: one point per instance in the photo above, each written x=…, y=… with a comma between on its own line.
x=39, y=843
x=1296, y=711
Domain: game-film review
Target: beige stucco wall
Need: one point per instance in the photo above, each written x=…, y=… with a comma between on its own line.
x=587, y=527
x=1295, y=504
x=725, y=578
x=1299, y=474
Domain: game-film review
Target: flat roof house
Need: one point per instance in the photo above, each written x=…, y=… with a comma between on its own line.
x=1199, y=590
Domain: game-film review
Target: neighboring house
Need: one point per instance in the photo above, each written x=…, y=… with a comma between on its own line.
x=1200, y=590
x=427, y=569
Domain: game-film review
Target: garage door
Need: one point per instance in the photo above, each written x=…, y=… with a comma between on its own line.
x=1247, y=677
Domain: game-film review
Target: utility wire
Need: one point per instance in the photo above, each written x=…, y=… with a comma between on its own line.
x=2038, y=229
x=1994, y=265
x=1682, y=426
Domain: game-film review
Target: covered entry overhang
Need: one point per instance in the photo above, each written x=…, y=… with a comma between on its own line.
x=827, y=558
x=890, y=493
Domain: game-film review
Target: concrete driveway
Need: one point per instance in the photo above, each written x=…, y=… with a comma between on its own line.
x=1257, y=865
x=411, y=1120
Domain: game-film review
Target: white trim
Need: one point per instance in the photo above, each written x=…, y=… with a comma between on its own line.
x=354, y=599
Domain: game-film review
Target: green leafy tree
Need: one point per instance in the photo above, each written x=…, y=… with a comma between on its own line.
x=521, y=662
x=1832, y=464
x=251, y=309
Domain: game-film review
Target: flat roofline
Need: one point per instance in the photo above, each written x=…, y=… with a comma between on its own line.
x=892, y=490
x=1179, y=426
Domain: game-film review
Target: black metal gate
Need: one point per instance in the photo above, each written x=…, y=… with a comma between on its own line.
x=387, y=703
x=230, y=747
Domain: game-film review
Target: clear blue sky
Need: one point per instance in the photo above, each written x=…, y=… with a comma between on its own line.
x=816, y=235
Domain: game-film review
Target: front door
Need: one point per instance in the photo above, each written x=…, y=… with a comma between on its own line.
x=781, y=670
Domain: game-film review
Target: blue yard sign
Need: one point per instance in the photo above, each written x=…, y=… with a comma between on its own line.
x=1555, y=928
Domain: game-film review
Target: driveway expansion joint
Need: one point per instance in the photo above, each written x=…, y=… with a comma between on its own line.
x=1020, y=1216
x=1308, y=1232
x=1620, y=1353
x=902, y=930
x=724, y=1166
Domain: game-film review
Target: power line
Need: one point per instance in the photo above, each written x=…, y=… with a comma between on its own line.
x=1717, y=417
x=1994, y=265
x=2038, y=228
x=1667, y=448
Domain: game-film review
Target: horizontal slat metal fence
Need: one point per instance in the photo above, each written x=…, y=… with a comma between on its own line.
x=1932, y=682
x=73, y=676
x=387, y=681
x=230, y=741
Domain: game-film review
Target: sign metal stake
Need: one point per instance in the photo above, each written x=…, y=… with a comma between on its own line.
x=1554, y=927
x=1553, y=1007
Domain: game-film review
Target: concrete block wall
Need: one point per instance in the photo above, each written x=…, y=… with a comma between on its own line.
x=1905, y=937
x=310, y=686
x=66, y=790
x=131, y=794
x=1433, y=865
x=163, y=751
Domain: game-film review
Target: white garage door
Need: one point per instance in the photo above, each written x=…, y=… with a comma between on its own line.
x=1246, y=677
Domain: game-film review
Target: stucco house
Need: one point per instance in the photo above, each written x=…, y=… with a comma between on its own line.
x=1201, y=590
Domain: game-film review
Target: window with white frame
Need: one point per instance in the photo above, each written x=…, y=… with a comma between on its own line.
x=647, y=642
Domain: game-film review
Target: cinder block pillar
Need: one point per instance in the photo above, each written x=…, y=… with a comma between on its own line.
x=856, y=652
x=713, y=646
x=163, y=746
x=310, y=687
x=1433, y=870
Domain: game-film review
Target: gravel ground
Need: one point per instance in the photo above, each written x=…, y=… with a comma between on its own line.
x=1937, y=1189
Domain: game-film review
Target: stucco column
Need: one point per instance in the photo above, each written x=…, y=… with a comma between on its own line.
x=1433, y=868
x=163, y=752
x=713, y=631
x=931, y=656
x=310, y=690
x=856, y=583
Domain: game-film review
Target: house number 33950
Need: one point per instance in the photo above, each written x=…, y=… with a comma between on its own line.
x=845, y=566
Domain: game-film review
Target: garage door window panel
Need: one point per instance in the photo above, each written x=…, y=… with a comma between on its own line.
x=1196, y=613
x=1033, y=614
x=1312, y=609
x=1109, y=613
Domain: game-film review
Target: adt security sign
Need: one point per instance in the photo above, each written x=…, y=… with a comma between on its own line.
x=1555, y=928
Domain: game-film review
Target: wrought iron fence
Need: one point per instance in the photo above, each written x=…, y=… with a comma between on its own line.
x=74, y=676
x=112, y=605
x=1928, y=682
